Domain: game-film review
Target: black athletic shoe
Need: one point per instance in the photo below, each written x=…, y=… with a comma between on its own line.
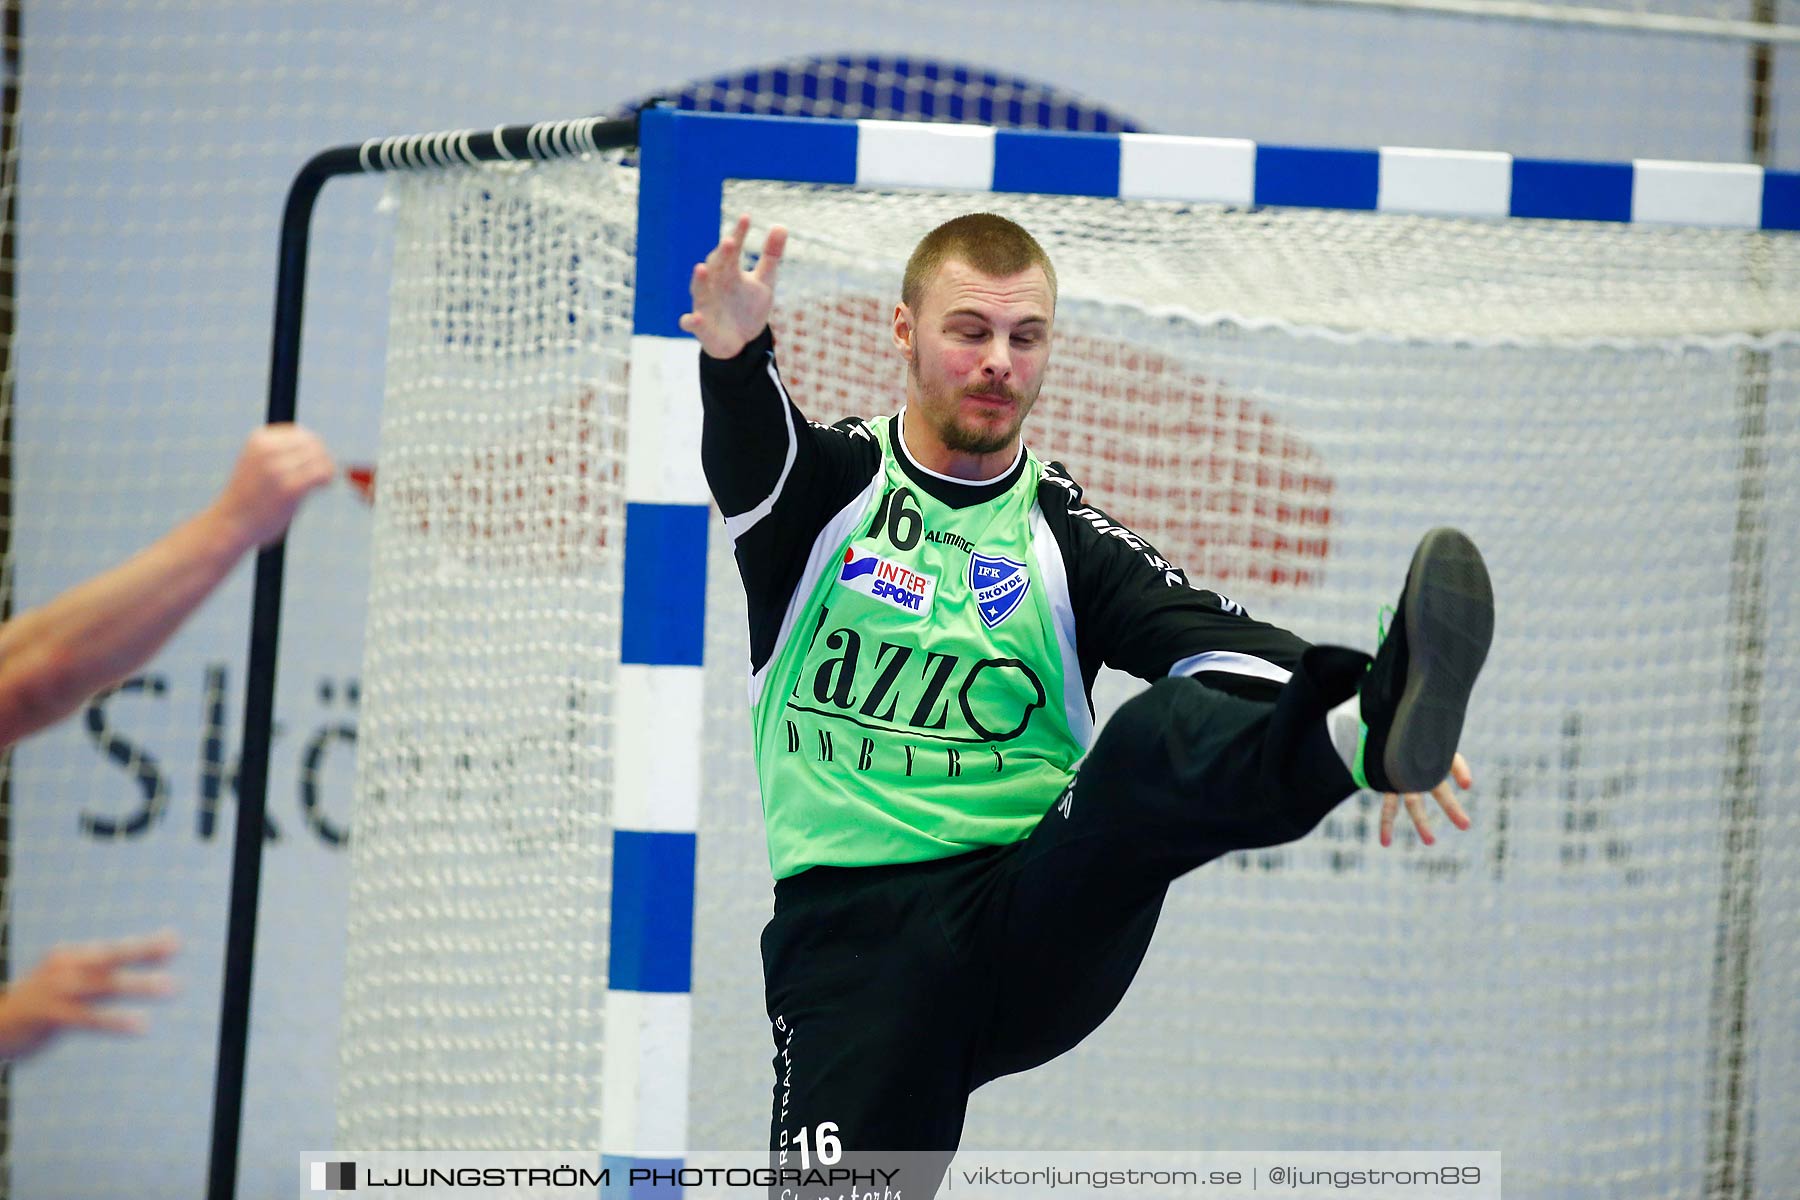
x=1417, y=689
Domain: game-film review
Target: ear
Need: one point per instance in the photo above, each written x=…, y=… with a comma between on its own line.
x=903, y=331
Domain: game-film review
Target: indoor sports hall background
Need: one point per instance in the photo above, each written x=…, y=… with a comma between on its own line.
x=148, y=154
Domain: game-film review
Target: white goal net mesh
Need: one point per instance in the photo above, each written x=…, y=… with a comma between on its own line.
x=475, y=963
x=1598, y=980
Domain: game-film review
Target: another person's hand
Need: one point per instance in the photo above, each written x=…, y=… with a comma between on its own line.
x=278, y=467
x=1415, y=805
x=69, y=988
x=731, y=305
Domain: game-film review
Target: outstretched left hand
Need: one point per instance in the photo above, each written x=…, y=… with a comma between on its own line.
x=1415, y=804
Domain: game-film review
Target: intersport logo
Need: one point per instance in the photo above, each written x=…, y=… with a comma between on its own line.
x=885, y=580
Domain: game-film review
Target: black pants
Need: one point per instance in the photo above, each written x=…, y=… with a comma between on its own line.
x=896, y=991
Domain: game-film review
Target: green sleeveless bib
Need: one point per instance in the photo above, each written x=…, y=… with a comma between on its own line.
x=917, y=708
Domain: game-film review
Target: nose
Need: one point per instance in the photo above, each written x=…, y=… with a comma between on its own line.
x=997, y=366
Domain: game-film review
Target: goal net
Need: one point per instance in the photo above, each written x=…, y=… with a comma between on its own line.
x=1597, y=980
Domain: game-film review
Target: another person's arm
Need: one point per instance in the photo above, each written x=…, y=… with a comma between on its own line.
x=54, y=657
x=69, y=990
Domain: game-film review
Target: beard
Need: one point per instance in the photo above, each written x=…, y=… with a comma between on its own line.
x=967, y=439
x=964, y=435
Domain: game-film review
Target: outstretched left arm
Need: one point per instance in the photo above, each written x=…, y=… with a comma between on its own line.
x=1141, y=614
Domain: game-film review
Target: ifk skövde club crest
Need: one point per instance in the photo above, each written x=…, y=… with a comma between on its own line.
x=999, y=584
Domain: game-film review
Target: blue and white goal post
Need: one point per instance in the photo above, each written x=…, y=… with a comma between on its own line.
x=686, y=160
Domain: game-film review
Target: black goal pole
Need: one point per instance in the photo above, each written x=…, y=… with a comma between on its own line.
x=543, y=141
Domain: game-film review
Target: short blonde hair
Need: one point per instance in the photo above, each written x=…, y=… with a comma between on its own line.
x=991, y=244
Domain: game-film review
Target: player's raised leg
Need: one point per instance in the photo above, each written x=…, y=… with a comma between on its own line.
x=1183, y=774
x=1410, y=709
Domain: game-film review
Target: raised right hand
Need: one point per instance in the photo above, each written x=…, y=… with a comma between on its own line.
x=732, y=305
